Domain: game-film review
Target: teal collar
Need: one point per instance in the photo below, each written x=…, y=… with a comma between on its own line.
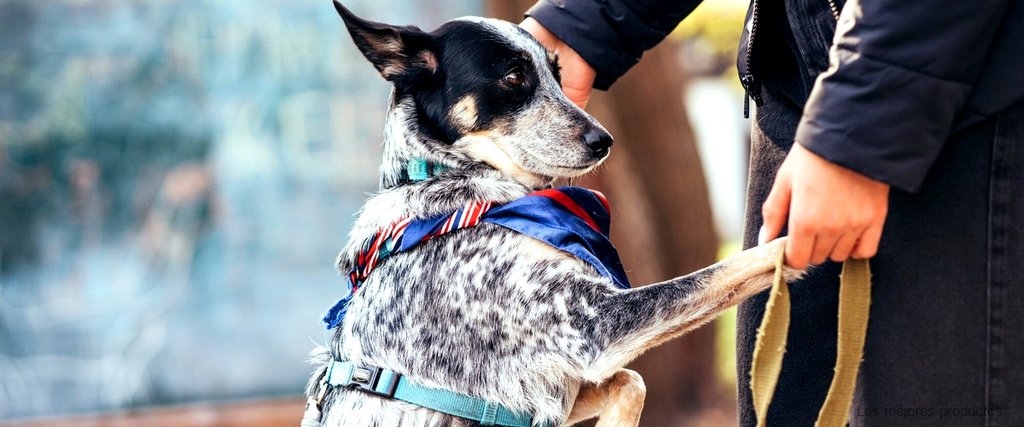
x=419, y=169
x=390, y=384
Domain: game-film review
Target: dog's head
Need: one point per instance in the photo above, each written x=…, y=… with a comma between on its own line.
x=483, y=90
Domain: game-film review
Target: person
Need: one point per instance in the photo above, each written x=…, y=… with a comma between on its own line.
x=884, y=129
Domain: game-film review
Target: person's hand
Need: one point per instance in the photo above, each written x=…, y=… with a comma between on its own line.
x=577, y=75
x=833, y=212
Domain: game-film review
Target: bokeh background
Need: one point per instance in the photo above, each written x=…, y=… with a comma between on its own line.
x=177, y=176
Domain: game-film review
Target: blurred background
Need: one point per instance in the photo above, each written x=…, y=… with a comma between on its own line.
x=176, y=178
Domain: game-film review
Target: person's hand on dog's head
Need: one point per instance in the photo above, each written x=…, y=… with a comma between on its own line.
x=577, y=75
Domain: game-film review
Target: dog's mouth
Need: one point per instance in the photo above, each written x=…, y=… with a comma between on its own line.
x=571, y=171
x=568, y=171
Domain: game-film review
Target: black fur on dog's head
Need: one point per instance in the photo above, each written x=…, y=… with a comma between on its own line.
x=478, y=90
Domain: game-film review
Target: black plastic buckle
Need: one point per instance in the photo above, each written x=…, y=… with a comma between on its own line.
x=368, y=379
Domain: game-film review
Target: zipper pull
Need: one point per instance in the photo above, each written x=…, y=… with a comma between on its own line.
x=746, y=103
x=751, y=90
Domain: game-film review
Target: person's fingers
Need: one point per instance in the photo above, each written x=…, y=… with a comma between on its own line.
x=577, y=75
x=844, y=247
x=799, y=246
x=578, y=97
x=578, y=90
x=775, y=209
x=868, y=245
x=823, y=244
x=545, y=37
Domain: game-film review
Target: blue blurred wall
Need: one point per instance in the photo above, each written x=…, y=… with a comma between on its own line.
x=176, y=178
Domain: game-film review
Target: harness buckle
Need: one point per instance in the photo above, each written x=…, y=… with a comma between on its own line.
x=373, y=380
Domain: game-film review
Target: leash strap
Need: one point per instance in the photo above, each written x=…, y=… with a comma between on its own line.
x=770, y=345
x=854, y=304
x=389, y=384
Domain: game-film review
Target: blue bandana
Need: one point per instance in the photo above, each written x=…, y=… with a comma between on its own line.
x=572, y=219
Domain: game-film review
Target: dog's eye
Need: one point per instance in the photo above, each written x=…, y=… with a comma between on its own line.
x=515, y=78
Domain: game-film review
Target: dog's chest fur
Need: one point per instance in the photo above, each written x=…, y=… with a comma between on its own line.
x=482, y=311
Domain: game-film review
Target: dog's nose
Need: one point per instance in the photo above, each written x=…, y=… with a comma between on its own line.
x=598, y=140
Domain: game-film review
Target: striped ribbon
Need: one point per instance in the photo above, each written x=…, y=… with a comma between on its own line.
x=385, y=242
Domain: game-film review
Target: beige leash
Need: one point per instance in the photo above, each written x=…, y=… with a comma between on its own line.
x=854, y=303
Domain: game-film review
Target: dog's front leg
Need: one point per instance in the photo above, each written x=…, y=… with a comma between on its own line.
x=636, y=320
x=617, y=402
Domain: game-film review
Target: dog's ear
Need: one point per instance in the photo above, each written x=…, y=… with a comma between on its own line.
x=400, y=54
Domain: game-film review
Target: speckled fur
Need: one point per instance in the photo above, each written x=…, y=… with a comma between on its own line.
x=491, y=313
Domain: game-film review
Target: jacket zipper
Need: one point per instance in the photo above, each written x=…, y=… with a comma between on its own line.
x=751, y=86
x=835, y=9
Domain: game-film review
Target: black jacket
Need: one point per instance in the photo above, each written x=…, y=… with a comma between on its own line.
x=880, y=97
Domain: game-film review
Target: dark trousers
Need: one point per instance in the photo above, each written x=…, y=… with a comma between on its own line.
x=945, y=343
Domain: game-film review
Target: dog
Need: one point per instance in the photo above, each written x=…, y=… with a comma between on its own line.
x=477, y=115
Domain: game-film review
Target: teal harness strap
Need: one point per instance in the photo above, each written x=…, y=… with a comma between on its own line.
x=386, y=383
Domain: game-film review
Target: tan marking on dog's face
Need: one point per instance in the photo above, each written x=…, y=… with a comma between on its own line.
x=464, y=113
x=487, y=147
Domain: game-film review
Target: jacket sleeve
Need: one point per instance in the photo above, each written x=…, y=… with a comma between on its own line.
x=611, y=35
x=899, y=73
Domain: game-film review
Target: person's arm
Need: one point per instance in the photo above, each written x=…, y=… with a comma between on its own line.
x=601, y=39
x=900, y=71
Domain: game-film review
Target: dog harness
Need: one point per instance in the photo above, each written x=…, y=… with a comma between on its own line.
x=389, y=384
x=572, y=219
